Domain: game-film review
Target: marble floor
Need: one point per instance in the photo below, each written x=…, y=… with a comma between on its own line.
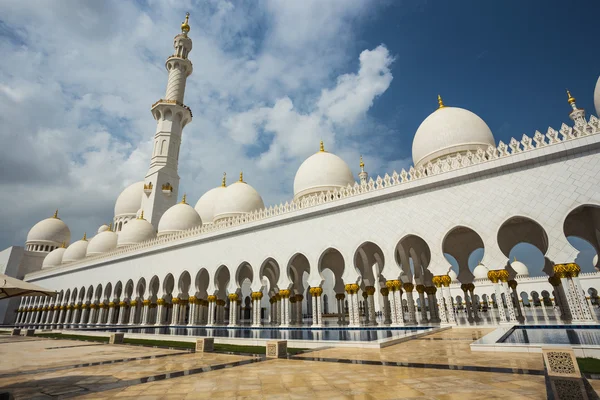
x=436, y=366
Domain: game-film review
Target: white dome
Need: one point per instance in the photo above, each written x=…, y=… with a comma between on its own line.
x=205, y=206
x=597, y=97
x=450, y=130
x=102, y=243
x=321, y=172
x=136, y=231
x=130, y=200
x=239, y=198
x=480, y=272
x=54, y=258
x=76, y=251
x=178, y=218
x=103, y=228
x=50, y=230
x=453, y=275
x=595, y=260
x=520, y=268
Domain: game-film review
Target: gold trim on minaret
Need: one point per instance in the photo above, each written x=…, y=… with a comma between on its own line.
x=242, y=177
x=185, y=26
x=362, y=164
x=84, y=236
x=141, y=215
x=570, y=98
x=440, y=102
x=183, y=199
x=321, y=147
x=55, y=214
x=224, y=181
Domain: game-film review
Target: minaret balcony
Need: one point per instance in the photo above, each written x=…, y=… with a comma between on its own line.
x=167, y=189
x=164, y=102
x=148, y=189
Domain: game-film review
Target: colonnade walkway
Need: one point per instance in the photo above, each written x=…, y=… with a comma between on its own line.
x=437, y=366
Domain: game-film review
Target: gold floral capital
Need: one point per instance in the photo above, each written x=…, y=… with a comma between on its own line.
x=122, y=304
x=146, y=302
x=232, y=296
x=512, y=284
x=384, y=291
x=420, y=288
x=256, y=295
x=133, y=303
x=408, y=287
x=370, y=290
x=493, y=276
x=437, y=280
x=111, y=304
x=284, y=293
x=160, y=302
x=193, y=300
x=340, y=296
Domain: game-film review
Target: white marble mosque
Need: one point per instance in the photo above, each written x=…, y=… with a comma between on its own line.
x=376, y=245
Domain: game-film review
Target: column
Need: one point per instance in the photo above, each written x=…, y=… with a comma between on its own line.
x=392, y=301
x=256, y=298
x=340, y=307
x=211, y=310
x=366, y=307
x=285, y=307
x=175, y=313
x=468, y=302
x=441, y=306
x=421, y=292
x=69, y=314
x=387, y=315
x=572, y=275
x=193, y=311
x=495, y=277
x=111, y=313
x=299, y=314
x=122, y=313
x=316, y=305
x=503, y=275
x=102, y=313
x=408, y=288
x=277, y=308
x=512, y=284
x=370, y=301
x=132, y=311
x=233, y=297
x=474, y=304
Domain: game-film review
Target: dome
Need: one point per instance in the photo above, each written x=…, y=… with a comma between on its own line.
x=450, y=130
x=50, y=230
x=54, y=258
x=136, y=231
x=321, y=172
x=178, y=218
x=205, y=206
x=595, y=260
x=103, y=228
x=130, y=200
x=239, y=198
x=480, y=272
x=76, y=251
x=453, y=275
x=520, y=268
x=597, y=97
x=103, y=242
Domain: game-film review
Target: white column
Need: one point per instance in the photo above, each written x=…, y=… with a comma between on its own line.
x=498, y=293
x=371, y=305
x=399, y=309
x=175, y=313
x=256, y=297
x=160, y=311
x=211, y=310
x=122, y=313
x=408, y=288
x=474, y=302
x=132, y=312
x=586, y=313
x=299, y=314
x=449, y=308
x=421, y=291
x=111, y=313
x=512, y=316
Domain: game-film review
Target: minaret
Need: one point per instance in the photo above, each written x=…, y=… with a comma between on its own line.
x=363, y=176
x=577, y=114
x=171, y=117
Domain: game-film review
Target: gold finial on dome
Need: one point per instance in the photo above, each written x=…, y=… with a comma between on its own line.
x=55, y=214
x=141, y=215
x=321, y=147
x=440, y=102
x=224, y=181
x=241, y=177
x=570, y=99
x=183, y=199
x=362, y=164
x=63, y=245
x=110, y=227
x=185, y=27
x=84, y=236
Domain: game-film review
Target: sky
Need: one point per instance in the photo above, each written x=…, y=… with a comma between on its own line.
x=271, y=78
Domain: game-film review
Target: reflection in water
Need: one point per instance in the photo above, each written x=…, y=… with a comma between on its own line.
x=554, y=336
x=361, y=335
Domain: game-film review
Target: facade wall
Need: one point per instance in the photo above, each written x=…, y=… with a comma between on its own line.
x=10, y=259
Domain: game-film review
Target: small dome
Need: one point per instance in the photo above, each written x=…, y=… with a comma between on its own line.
x=103, y=242
x=597, y=98
x=480, y=272
x=130, y=200
x=54, y=258
x=453, y=275
x=447, y=131
x=237, y=199
x=321, y=172
x=136, y=231
x=76, y=251
x=205, y=206
x=50, y=230
x=595, y=260
x=520, y=268
x=178, y=218
x=103, y=228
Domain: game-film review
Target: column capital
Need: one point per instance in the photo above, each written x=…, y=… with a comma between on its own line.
x=512, y=284
x=232, y=296
x=570, y=270
x=340, y=296
x=316, y=291
x=408, y=287
x=160, y=301
x=420, y=288
x=256, y=295
x=384, y=291
x=212, y=298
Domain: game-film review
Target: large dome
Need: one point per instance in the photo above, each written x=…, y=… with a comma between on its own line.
x=130, y=200
x=205, y=206
x=178, y=218
x=103, y=242
x=520, y=268
x=597, y=98
x=54, y=258
x=136, y=231
x=76, y=251
x=237, y=199
x=450, y=130
x=480, y=272
x=50, y=231
x=321, y=172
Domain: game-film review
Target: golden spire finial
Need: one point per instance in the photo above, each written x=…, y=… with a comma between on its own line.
x=110, y=227
x=224, y=181
x=440, y=102
x=141, y=215
x=515, y=258
x=63, y=245
x=321, y=146
x=84, y=236
x=183, y=199
x=55, y=214
x=241, y=176
x=570, y=99
x=362, y=164
x=185, y=27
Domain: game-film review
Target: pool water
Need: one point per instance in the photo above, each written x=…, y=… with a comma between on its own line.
x=564, y=334
x=360, y=335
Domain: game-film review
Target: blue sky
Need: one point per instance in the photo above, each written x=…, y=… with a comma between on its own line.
x=271, y=78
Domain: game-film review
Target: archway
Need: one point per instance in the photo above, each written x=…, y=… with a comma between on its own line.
x=584, y=223
x=518, y=230
x=460, y=243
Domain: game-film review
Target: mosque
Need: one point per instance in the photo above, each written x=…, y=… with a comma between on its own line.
x=375, y=245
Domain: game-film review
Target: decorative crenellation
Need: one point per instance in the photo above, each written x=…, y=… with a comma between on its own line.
x=442, y=165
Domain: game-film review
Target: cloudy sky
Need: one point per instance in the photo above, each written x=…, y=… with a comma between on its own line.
x=271, y=78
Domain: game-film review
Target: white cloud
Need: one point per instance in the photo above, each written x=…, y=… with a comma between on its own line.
x=77, y=80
